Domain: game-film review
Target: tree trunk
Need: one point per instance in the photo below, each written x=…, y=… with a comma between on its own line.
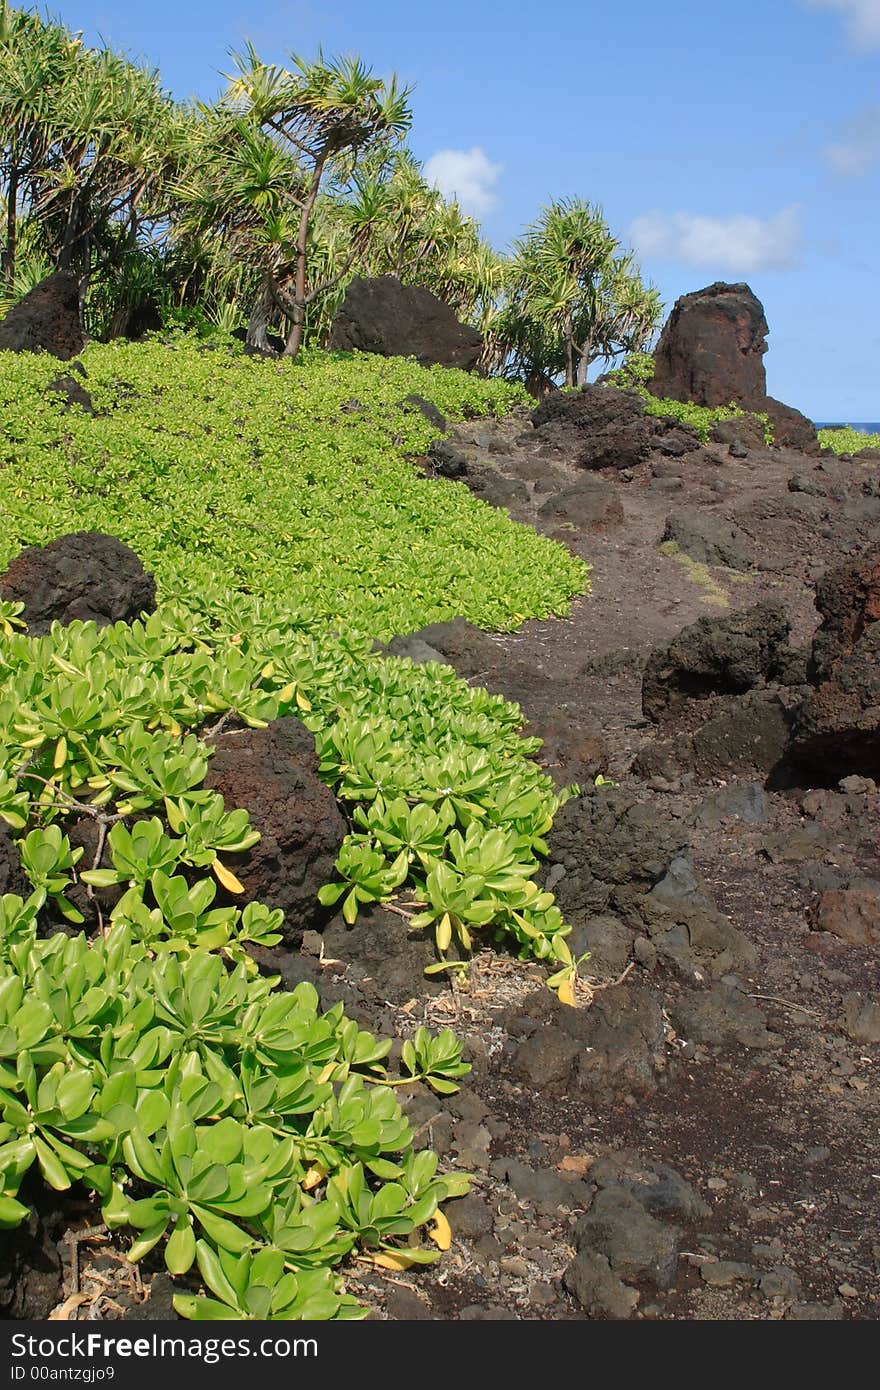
x=583, y=364
x=294, y=341
x=258, y=323
x=569, y=362
x=9, y=251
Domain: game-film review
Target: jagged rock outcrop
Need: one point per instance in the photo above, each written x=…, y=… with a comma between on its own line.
x=711, y=350
x=837, y=729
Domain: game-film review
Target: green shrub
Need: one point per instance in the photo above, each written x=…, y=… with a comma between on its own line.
x=847, y=440
x=291, y=482
x=237, y=1127
x=233, y=1124
x=634, y=375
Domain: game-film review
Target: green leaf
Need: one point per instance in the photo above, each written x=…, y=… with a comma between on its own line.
x=51, y=1167
x=180, y=1252
x=224, y=1233
x=12, y=1212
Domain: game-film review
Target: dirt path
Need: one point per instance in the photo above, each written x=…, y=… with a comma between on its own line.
x=778, y=1139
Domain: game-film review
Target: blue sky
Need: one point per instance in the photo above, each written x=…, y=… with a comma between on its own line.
x=725, y=139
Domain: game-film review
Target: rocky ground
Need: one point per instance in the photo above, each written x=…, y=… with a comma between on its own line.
x=698, y=1138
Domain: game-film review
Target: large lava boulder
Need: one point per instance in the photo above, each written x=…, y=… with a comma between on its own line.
x=383, y=316
x=273, y=773
x=606, y=850
x=613, y=856
x=713, y=656
x=711, y=348
x=47, y=319
x=596, y=427
x=616, y=1047
x=848, y=598
x=837, y=730
x=711, y=352
x=590, y=504
x=85, y=576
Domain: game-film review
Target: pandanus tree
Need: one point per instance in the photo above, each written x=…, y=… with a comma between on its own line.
x=34, y=58
x=283, y=133
x=574, y=297
x=88, y=145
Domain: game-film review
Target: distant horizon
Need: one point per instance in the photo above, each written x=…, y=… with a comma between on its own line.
x=865, y=426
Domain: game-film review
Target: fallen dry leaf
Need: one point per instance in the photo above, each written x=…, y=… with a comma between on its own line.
x=63, y=1311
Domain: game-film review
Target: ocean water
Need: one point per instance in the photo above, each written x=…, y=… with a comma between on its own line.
x=872, y=427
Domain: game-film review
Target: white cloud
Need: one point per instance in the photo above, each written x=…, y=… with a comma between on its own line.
x=861, y=19
x=468, y=175
x=859, y=145
x=737, y=244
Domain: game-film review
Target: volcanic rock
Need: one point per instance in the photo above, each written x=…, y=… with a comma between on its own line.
x=492, y=487
x=721, y=1015
x=573, y=748
x=742, y=734
x=635, y=1244
x=661, y=1190
x=711, y=348
x=861, y=1018
x=686, y=929
x=837, y=729
x=13, y=878
x=454, y=643
x=853, y=914
x=85, y=576
x=445, y=460
x=591, y=504
x=432, y=414
x=596, y=427
x=711, y=352
x=848, y=598
x=726, y=655
x=606, y=850
x=746, y=429
x=590, y=1280
x=674, y=438
x=72, y=393
x=47, y=319
x=791, y=429
x=383, y=316
x=383, y=958
x=616, y=1047
x=31, y=1274
x=709, y=539
x=273, y=773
